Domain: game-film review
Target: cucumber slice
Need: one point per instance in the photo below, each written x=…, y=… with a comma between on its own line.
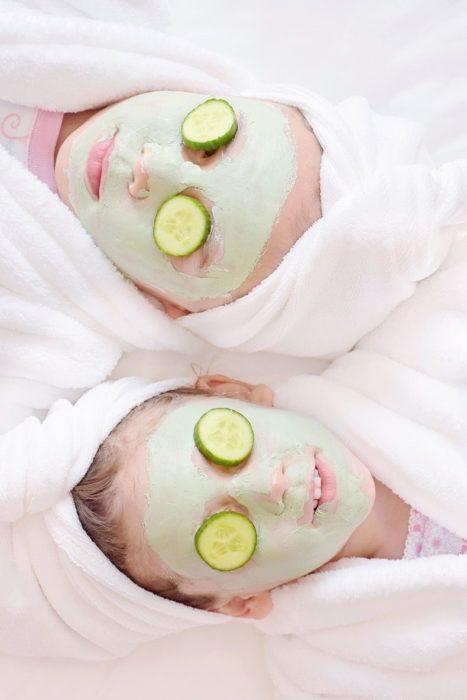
x=224, y=436
x=226, y=541
x=181, y=226
x=209, y=125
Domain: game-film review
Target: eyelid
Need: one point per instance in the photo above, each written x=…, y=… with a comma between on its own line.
x=219, y=504
x=201, y=158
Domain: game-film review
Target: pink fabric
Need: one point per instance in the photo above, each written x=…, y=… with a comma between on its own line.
x=42, y=143
x=426, y=538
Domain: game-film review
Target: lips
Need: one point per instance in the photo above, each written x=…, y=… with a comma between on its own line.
x=328, y=480
x=97, y=166
x=328, y=489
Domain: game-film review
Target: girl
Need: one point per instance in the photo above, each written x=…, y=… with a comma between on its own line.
x=347, y=236
x=114, y=510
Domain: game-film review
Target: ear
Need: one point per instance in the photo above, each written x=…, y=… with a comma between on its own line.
x=220, y=385
x=172, y=310
x=168, y=307
x=258, y=606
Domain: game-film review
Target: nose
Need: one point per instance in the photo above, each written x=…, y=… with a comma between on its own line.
x=279, y=483
x=139, y=187
x=162, y=168
x=261, y=488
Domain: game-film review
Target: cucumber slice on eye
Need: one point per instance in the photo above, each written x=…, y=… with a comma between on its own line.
x=224, y=436
x=181, y=226
x=209, y=125
x=226, y=541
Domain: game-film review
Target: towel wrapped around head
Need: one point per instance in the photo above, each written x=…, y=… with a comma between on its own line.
x=389, y=218
x=389, y=628
x=67, y=315
x=59, y=594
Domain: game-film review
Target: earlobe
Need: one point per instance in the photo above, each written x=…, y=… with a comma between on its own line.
x=172, y=310
x=220, y=385
x=255, y=606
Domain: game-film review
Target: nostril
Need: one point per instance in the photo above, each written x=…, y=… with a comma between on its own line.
x=279, y=483
x=139, y=187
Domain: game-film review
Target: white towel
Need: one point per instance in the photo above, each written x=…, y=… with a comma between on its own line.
x=415, y=609
x=59, y=594
x=67, y=315
x=381, y=629
x=62, y=597
x=389, y=220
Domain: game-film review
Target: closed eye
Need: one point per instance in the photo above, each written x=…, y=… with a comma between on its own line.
x=205, y=159
x=209, y=253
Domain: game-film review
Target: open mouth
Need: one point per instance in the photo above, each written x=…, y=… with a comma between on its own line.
x=322, y=488
x=97, y=166
x=328, y=480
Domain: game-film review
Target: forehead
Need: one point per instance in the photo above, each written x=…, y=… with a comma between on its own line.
x=180, y=103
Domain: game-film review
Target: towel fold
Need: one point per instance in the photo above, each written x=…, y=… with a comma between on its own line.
x=383, y=271
x=60, y=596
x=389, y=218
x=66, y=314
x=389, y=221
x=384, y=629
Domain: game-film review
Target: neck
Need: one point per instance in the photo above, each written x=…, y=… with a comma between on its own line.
x=383, y=534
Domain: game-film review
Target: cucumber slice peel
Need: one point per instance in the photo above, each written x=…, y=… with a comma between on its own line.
x=226, y=541
x=209, y=125
x=224, y=436
x=181, y=226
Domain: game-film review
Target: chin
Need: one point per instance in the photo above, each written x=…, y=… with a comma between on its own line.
x=368, y=483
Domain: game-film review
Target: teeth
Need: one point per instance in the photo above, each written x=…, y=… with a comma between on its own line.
x=317, y=488
x=317, y=484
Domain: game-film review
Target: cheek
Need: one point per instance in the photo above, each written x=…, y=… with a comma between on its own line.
x=367, y=484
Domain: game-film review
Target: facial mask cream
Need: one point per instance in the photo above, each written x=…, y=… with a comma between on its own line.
x=245, y=188
x=184, y=487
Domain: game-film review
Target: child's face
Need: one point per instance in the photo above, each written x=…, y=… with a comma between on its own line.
x=177, y=489
x=261, y=190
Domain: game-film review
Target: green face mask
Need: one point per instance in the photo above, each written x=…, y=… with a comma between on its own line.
x=271, y=489
x=246, y=187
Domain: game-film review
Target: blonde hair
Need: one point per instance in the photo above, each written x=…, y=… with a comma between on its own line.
x=99, y=505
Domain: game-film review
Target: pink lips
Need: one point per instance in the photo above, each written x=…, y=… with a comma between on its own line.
x=328, y=489
x=97, y=165
x=328, y=480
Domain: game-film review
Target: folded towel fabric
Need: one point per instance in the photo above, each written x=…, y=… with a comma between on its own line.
x=59, y=594
x=384, y=629
x=67, y=315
